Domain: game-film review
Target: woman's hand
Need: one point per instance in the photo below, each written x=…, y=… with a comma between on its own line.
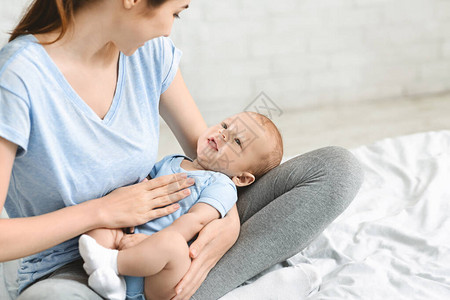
x=213, y=241
x=139, y=203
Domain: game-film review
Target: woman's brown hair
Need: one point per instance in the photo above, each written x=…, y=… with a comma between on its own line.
x=44, y=16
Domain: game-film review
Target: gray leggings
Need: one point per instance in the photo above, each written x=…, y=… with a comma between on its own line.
x=280, y=214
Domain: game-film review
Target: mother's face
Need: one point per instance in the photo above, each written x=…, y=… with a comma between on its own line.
x=138, y=23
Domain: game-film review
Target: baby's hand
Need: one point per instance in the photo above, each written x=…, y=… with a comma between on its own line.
x=130, y=240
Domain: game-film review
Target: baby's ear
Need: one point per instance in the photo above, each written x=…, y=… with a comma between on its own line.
x=243, y=179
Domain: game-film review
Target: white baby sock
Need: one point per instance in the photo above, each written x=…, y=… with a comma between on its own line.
x=96, y=256
x=101, y=264
x=107, y=284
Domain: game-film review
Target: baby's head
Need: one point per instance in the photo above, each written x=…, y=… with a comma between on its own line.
x=244, y=147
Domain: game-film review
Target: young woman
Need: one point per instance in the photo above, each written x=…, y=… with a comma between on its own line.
x=81, y=85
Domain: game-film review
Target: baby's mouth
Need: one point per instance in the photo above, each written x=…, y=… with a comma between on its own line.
x=212, y=143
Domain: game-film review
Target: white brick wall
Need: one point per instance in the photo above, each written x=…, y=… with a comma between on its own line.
x=312, y=52
x=10, y=12
x=305, y=52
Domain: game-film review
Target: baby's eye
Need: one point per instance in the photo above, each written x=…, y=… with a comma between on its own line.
x=224, y=126
x=238, y=141
x=177, y=16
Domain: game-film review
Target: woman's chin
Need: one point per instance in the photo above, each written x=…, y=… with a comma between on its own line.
x=131, y=51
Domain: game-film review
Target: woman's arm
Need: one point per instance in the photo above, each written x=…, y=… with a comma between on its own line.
x=126, y=206
x=178, y=109
x=25, y=236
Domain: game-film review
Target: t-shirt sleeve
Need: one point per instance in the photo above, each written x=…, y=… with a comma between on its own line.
x=171, y=60
x=14, y=119
x=221, y=195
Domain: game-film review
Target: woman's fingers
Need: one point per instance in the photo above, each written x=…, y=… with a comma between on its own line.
x=161, y=212
x=199, y=268
x=171, y=198
x=192, y=280
x=194, y=285
x=165, y=180
x=147, y=200
x=172, y=187
x=197, y=246
x=185, y=285
x=169, y=190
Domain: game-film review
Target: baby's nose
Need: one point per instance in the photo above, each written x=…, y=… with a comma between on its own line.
x=223, y=134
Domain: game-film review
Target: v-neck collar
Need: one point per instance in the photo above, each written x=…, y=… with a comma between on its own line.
x=75, y=98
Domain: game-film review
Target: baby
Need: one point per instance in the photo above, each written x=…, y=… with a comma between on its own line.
x=233, y=153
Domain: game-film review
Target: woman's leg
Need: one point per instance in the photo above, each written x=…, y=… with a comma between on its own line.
x=283, y=212
x=68, y=282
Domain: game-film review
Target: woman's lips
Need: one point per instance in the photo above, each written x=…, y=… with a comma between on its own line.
x=212, y=143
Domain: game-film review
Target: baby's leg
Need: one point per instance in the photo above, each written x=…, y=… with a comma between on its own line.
x=163, y=258
x=108, y=238
x=162, y=285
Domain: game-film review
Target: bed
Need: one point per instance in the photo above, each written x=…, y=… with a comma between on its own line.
x=392, y=242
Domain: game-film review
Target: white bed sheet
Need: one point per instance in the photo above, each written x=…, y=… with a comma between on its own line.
x=392, y=242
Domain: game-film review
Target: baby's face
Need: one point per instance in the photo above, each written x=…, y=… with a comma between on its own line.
x=233, y=146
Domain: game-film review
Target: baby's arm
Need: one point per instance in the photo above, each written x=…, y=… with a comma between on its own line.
x=189, y=224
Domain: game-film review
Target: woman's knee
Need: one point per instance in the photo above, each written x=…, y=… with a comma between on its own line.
x=343, y=165
x=342, y=174
x=332, y=175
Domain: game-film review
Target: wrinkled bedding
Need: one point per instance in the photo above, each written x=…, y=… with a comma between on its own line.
x=393, y=241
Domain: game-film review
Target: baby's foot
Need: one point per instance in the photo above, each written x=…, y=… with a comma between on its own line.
x=96, y=256
x=108, y=284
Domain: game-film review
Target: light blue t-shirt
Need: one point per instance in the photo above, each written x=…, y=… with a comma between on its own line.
x=66, y=153
x=213, y=188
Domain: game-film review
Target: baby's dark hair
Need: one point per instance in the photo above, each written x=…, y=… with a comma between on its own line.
x=273, y=157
